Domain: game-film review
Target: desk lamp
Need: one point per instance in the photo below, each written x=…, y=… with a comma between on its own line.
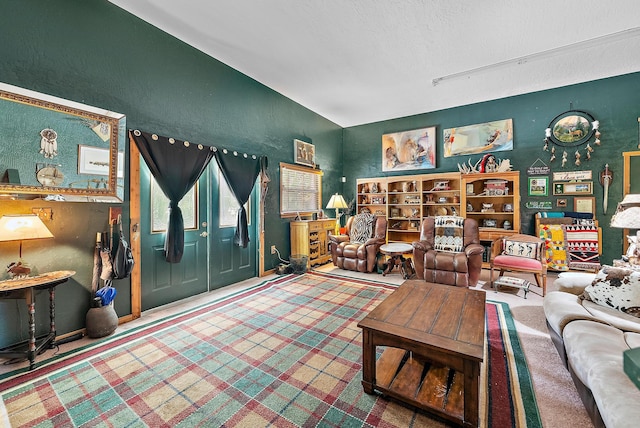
x=20, y=227
x=627, y=216
x=337, y=202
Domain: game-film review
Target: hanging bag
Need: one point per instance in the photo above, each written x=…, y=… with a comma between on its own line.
x=123, y=259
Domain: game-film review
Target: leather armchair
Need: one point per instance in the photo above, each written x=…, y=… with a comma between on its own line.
x=447, y=267
x=359, y=256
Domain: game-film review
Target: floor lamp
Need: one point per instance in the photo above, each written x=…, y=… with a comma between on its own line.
x=337, y=202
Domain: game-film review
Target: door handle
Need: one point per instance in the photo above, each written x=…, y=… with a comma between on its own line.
x=204, y=234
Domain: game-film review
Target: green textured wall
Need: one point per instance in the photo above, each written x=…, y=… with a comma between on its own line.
x=615, y=102
x=93, y=52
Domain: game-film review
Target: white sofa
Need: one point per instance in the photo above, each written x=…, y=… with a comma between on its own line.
x=590, y=339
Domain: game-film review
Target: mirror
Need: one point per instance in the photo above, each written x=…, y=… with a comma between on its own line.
x=58, y=149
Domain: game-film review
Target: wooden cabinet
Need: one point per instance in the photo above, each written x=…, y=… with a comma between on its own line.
x=311, y=238
x=441, y=194
x=404, y=205
x=372, y=194
x=407, y=199
x=493, y=199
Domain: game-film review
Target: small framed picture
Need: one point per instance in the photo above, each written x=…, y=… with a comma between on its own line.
x=584, y=204
x=573, y=188
x=539, y=186
x=304, y=153
x=470, y=189
x=561, y=203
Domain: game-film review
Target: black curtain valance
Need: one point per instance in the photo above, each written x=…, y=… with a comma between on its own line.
x=177, y=165
x=241, y=172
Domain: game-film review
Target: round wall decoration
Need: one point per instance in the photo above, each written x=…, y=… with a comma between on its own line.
x=572, y=128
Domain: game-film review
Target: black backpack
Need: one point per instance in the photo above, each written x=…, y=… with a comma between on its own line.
x=123, y=258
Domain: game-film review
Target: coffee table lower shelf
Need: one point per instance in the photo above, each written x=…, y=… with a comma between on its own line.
x=414, y=380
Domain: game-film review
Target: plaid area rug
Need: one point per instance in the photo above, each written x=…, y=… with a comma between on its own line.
x=284, y=353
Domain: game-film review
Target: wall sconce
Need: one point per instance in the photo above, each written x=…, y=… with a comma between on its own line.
x=337, y=202
x=21, y=227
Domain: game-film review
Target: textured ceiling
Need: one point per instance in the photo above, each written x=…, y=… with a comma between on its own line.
x=362, y=61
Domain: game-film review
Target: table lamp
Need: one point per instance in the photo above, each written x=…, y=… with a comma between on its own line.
x=627, y=216
x=337, y=202
x=20, y=227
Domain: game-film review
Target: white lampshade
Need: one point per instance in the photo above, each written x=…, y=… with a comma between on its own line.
x=337, y=201
x=627, y=215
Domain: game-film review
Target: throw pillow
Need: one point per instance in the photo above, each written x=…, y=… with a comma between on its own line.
x=530, y=250
x=449, y=234
x=361, y=228
x=616, y=288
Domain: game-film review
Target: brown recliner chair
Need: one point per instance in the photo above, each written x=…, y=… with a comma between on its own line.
x=449, y=251
x=358, y=249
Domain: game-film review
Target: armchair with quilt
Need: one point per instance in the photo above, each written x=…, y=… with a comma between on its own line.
x=358, y=249
x=449, y=251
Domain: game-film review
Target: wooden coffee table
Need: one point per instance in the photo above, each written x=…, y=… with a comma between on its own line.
x=434, y=336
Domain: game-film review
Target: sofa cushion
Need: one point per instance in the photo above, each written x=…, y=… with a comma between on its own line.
x=632, y=339
x=449, y=234
x=616, y=288
x=361, y=228
x=562, y=308
x=573, y=282
x=621, y=320
x=590, y=345
x=516, y=262
x=615, y=395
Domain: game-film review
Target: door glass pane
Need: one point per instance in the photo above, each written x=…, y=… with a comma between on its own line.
x=160, y=208
x=229, y=205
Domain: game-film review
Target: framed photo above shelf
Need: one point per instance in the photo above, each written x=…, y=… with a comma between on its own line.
x=539, y=186
x=573, y=188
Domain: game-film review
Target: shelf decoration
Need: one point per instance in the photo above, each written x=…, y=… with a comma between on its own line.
x=572, y=128
x=487, y=163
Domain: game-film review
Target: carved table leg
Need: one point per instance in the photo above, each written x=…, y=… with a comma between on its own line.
x=368, y=362
x=31, y=309
x=52, y=316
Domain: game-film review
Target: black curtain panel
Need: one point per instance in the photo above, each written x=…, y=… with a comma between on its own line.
x=176, y=165
x=240, y=171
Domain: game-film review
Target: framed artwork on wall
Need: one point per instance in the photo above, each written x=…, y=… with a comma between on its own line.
x=486, y=137
x=577, y=188
x=304, y=153
x=415, y=149
x=538, y=186
x=584, y=204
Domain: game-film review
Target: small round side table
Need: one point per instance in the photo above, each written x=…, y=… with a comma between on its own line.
x=396, y=252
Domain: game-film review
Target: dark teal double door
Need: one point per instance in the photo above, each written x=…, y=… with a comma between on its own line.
x=210, y=259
